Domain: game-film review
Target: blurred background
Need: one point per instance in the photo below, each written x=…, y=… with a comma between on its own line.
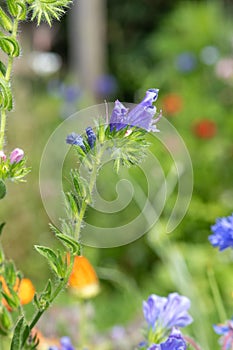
x=103, y=50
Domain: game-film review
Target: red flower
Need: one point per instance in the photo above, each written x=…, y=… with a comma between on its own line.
x=172, y=104
x=205, y=129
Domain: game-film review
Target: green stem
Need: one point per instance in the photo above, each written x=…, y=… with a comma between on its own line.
x=92, y=182
x=216, y=295
x=62, y=284
x=7, y=78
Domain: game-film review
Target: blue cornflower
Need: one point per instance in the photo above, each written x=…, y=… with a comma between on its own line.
x=75, y=139
x=174, y=341
x=165, y=313
x=222, y=236
x=141, y=116
x=91, y=137
x=226, y=330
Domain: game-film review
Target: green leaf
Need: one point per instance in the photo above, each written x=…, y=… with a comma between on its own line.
x=5, y=21
x=10, y=273
x=17, y=9
x=2, y=70
x=5, y=319
x=21, y=331
x=1, y=227
x=12, y=299
x=2, y=189
x=10, y=46
x=70, y=243
x=52, y=258
x=5, y=95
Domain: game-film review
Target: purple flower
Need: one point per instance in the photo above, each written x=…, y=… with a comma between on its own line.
x=91, y=136
x=166, y=313
x=2, y=156
x=106, y=85
x=226, y=330
x=75, y=139
x=16, y=155
x=141, y=116
x=222, y=236
x=174, y=341
x=66, y=344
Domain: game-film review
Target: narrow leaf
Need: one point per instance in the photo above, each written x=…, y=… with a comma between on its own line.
x=1, y=227
x=5, y=21
x=20, y=328
x=2, y=189
x=70, y=243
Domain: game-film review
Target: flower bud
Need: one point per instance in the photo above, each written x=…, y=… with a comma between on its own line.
x=2, y=156
x=16, y=155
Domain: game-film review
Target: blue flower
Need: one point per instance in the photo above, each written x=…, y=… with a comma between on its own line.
x=65, y=344
x=165, y=313
x=141, y=116
x=226, y=330
x=174, y=341
x=91, y=136
x=75, y=139
x=222, y=236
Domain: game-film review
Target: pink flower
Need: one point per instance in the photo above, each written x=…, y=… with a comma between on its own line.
x=16, y=155
x=2, y=156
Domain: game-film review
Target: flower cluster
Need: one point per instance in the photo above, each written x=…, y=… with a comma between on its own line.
x=222, y=236
x=78, y=140
x=140, y=116
x=163, y=316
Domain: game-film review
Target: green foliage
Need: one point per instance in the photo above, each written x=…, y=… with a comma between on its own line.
x=15, y=172
x=21, y=330
x=2, y=189
x=5, y=93
x=5, y=21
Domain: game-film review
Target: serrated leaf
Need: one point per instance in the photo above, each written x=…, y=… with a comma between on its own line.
x=70, y=243
x=2, y=189
x=5, y=21
x=10, y=46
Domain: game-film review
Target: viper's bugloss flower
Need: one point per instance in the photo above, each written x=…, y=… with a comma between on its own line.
x=141, y=116
x=75, y=139
x=2, y=156
x=83, y=280
x=174, y=341
x=165, y=313
x=16, y=155
x=222, y=236
x=226, y=330
x=91, y=137
x=205, y=129
x=24, y=288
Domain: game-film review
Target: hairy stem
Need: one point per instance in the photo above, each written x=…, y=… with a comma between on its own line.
x=92, y=182
x=7, y=78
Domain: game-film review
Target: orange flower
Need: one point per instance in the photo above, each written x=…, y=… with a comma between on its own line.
x=83, y=280
x=205, y=129
x=24, y=289
x=172, y=104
